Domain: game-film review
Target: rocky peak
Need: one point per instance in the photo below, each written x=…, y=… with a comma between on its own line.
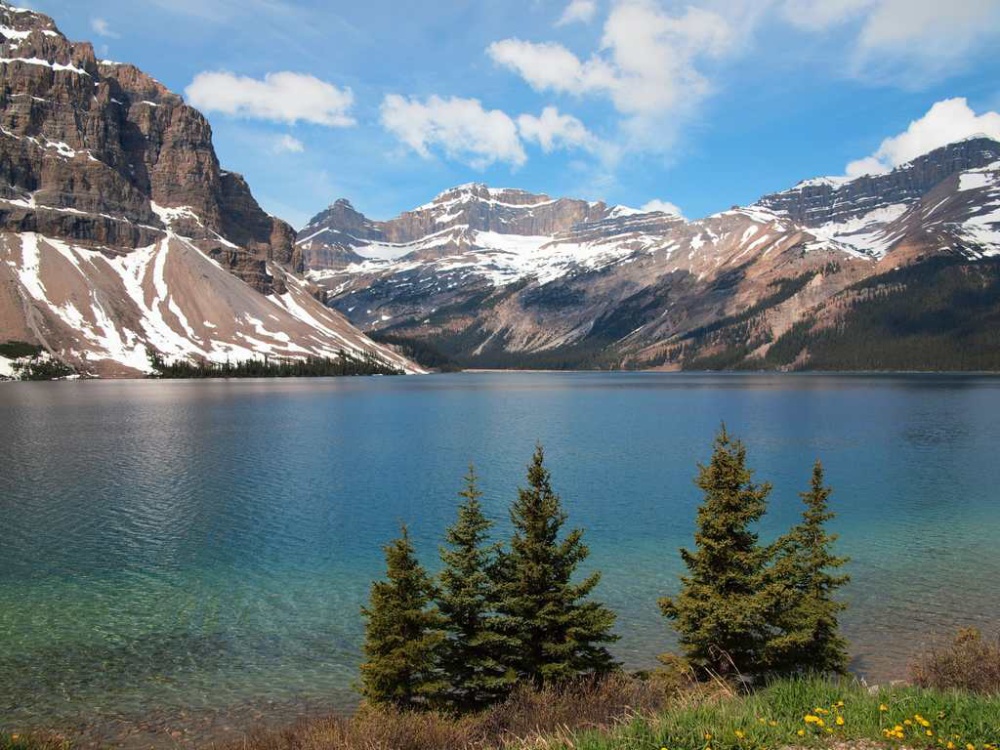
x=94, y=151
x=822, y=201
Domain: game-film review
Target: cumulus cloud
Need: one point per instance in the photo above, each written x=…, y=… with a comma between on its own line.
x=287, y=144
x=662, y=206
x=947, y=121
x=578, y=11
x=461, y=128
x=915, y=40
x=279, y=97
x=552, y=130
x=102, y=28
x=647, y=64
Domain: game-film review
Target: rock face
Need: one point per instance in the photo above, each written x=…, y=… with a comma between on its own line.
x=91, y=147
x=825, y=200
x=445, y=224
x=120, y=233
x=505, y=278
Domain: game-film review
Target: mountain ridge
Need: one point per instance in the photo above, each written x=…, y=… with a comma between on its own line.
x=470, y=275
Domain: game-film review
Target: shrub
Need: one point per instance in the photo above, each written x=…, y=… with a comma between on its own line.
x=970, y=663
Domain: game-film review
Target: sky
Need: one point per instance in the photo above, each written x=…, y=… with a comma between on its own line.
x=693, y=106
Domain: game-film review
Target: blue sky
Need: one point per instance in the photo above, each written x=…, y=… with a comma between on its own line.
x=703, y=104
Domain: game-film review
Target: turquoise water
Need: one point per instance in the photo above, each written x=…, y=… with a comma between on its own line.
x=191, y=556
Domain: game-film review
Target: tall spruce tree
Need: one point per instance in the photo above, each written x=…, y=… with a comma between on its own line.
x=720, y=612
x=556, y=631
x=475, y=675
x=402, y=633
x=803, y=582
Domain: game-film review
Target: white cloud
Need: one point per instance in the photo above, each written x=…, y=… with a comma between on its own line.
x=578, y=11
x=914, y=41
x=552, y=130
x=461, y=128
x=947, y=121
x=287, y=144
x=280, y=97
x=648, y=64
x=102, y=28
x=663, y=206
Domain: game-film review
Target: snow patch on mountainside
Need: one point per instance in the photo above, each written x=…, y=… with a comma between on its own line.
x=864, y=233
x=115, y=308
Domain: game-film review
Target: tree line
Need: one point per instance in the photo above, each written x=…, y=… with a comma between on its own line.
x=344, y=364
x=502, y=615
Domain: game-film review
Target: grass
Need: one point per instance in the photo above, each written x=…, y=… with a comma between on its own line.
x=813, y=712
x=627, y=713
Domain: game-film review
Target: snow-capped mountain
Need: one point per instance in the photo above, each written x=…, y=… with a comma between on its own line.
x=501, y=276
x=120, y=232
x=875, y=213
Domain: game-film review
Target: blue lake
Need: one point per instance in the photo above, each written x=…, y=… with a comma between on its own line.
x=192, y=556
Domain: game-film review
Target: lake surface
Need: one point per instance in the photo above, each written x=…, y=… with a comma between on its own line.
x=191, y=556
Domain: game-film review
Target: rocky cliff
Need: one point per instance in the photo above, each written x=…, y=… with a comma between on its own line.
x=121, y=234
x=92, y=149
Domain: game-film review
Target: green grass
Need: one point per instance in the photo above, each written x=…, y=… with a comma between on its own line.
x=775, y=716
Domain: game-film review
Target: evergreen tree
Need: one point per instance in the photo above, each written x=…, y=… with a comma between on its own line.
x=803, y=581
x=721, y=609
x=475, y=677
x=402, y=633
x=557, y=632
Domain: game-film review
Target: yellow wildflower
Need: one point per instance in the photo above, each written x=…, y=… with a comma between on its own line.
x=840, y=721
x=801, y=733
x=773, y=723
x=950, y=745
x=811, y=719
x=970, y=746
x=708, y=736
x=739, y=734
x=882, y=707
x=929, y=733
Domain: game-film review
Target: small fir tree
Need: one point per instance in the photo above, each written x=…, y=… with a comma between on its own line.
x=556, y=631
x=721, y=609
x=475, y=676
x=803, y=582
x=402, y=633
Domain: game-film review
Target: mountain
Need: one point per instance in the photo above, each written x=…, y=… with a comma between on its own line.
x=120, y=232
x=501, y=277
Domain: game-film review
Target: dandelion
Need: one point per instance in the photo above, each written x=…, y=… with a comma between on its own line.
x=840, y=721
x=801, y=733
x=708, y=736
x=812, y=719
x=970, y=746
x=882, y=707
